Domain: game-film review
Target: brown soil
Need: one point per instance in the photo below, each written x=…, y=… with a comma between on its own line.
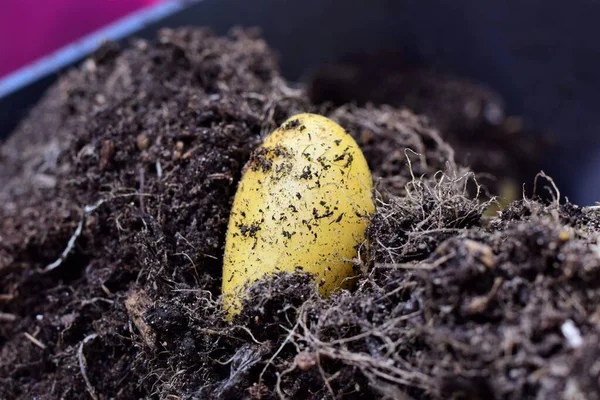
x=115, y=196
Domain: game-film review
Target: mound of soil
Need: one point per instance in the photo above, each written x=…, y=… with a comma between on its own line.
x=114, y=200
x=470, y=116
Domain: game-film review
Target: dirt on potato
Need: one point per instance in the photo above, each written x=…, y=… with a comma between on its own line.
x=114, y=199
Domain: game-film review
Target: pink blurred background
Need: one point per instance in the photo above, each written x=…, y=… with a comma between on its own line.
x=30, y=29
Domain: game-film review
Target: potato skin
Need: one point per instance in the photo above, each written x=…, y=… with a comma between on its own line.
x=303, y=202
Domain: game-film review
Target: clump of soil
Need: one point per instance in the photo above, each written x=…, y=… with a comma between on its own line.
x=115, y=195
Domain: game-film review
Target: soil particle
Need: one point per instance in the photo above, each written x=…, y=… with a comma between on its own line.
x=141, y=149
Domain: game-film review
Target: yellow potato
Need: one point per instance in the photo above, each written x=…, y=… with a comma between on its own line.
x=303, y=202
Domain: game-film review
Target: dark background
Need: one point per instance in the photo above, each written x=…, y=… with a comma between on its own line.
x=542, y=56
